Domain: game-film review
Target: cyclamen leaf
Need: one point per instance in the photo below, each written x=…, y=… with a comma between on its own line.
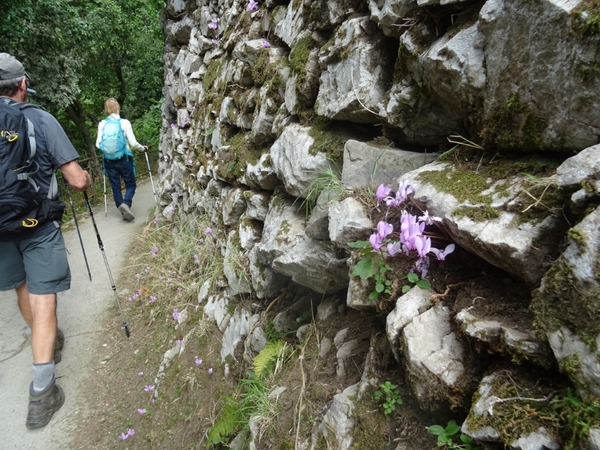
x=379, y=288
x=364, y=269
x=359, y=244
x=436, y=430
x=424, y=284
x=405, y=288
x=412, y=277
x=452, y=428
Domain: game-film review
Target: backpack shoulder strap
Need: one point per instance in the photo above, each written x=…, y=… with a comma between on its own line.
x=30, y=128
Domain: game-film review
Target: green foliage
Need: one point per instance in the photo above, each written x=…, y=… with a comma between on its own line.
x=147, y=128
x=253, y=402
x=266, y=356
x=80, y=53
x=227, y=423
x=577, y=416
x=330, y=180
x=389, y=396
x=416, y=281
x=372, y=266
x=448, y=437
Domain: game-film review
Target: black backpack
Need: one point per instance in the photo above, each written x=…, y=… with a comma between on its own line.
x=22, y=207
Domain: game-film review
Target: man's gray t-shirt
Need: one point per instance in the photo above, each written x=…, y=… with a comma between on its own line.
x=53, y=149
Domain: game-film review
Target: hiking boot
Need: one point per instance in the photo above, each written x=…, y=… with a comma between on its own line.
x=59, y=343
x=42, y=407
x=126, y=212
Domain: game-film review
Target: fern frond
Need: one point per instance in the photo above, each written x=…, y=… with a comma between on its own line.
x=266, y=355
x=227, y=423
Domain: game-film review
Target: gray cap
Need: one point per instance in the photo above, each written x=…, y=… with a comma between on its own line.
x=11, y=68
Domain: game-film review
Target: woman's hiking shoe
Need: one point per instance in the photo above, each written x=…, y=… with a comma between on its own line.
x=42, y=407
x=58, y=345
x=126, y=212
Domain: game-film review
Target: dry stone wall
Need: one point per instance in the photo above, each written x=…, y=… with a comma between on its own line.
x=279, y=116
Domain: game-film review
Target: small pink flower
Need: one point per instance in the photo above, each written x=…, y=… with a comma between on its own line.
x=198, y=361
x=180, y=341
x=123, y=436
x=141, y=374
x=131, y=432
x=208, y=230
x=265, y=44
x=210, y=371
x=153, y=298
x=252, y=5
x=214, y=23
x=142, y=411
x=152, y=400
x=175, y=314
x=195, y=257
x=148, y=388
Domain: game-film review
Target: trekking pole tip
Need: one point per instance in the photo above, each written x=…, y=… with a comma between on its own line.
x=126, y=327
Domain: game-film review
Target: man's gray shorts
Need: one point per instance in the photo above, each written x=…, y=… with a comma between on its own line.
x=41, y=261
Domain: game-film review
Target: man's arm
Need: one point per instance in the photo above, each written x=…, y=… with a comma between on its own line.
x=78, y=179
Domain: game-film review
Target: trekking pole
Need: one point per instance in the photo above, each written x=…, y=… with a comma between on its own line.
x=104, y=179
x=150, y=172
x=112, y=282
x=77, y=227
x=105, y=208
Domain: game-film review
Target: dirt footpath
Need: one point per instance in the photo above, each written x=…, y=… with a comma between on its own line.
x=79, y=312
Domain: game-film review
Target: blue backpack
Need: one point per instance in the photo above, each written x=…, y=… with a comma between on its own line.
x=113, y=144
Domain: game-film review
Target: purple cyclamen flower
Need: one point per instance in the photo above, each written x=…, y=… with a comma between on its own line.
x=404, y=190
x=173, y=126
x=252, y=5
x=394, y=249
x=179, y=342
x=148, y=388
x=176, y=314
x=422, y=265
x=197, y=361
x=141, y=374
x=142, y=411
x=441, y=255
x=210, y=371
x=153, y=298
x=147, y=269
x=429, y=220
x=265, y=44
x=154, y=251
x=384, y=229
x=422, y=245
x=131, y=432
x=375, y=242
x=382, y=192
x=208, y=230
x=214, y=23
x=123, y=436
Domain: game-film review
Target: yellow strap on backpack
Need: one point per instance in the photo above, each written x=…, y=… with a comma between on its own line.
x=29, y=223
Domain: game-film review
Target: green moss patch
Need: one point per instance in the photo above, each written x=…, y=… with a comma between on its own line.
x=513, y=126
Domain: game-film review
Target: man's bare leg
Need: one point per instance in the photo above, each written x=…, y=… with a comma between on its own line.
x=39, y=311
